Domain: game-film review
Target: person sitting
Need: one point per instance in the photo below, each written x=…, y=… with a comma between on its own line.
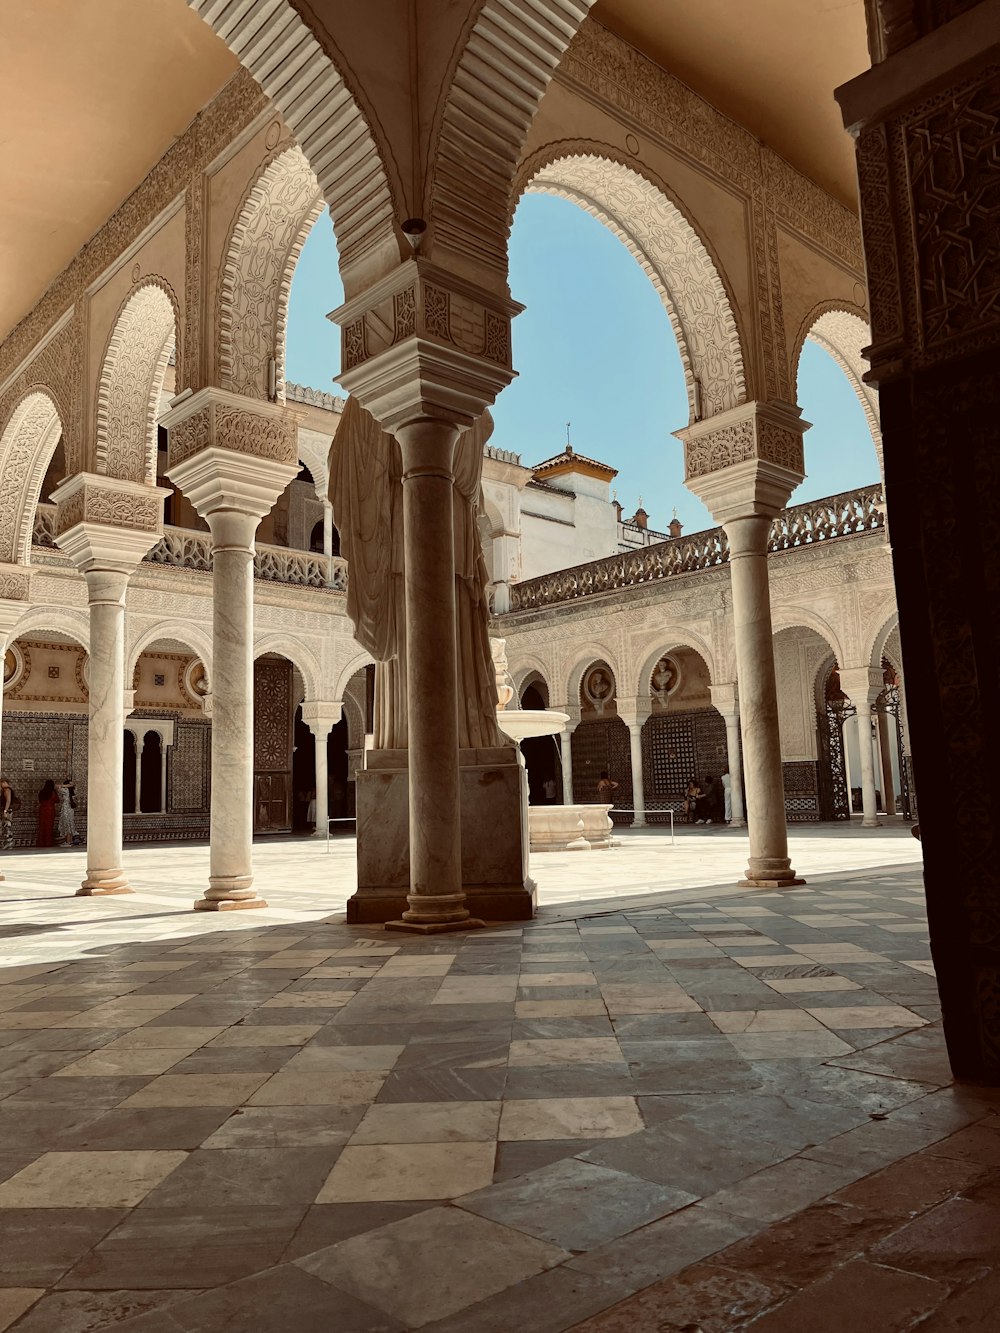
x=692, y=796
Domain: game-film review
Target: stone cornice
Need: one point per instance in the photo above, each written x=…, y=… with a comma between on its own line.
x=216, y=418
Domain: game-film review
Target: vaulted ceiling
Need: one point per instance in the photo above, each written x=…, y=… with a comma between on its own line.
x=95, y=92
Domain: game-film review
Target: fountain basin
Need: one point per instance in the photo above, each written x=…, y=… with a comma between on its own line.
x=521, y=723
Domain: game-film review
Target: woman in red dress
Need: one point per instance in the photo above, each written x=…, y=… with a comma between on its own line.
x=47, y=803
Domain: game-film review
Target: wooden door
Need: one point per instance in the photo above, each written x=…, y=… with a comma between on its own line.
x=272, y=745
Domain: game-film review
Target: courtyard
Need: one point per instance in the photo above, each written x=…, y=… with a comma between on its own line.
x=666, y=1102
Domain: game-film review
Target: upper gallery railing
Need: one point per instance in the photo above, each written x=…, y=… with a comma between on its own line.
x=843, y=515
x=185, y=548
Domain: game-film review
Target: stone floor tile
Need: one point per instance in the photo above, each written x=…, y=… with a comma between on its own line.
x=957, y=1239
x=429, y=1122
x=913, y=1185
x=867, y=1016
x=569, y=1117
x=235, y=1060
x=705, y=1296
x=190, y=1247
x=92, y=1311
x=518, y=1159
x=224, y=1177
x=272, y=1035
x=559, y=1008
x=315, y=1087
x=791, y=1045
x=967, y=1310
x=197, y=1090
x=571, y=1051
x=326, y=1224
x=278, y=1300
x=309, y=999
x=576, y=1205
x=858, y=1295
x=368, y=1174
x=662, y=1248
x=89, y=1179
x=443, y=1083
x=154, y=1128
x=810, y=985
x=783, y=1189
x=552, y=1302
x=285, y=1127
x=436, y=1258
x=14, y=1301
x=112, y=1063
x=186, y=1039
x=765, y=1020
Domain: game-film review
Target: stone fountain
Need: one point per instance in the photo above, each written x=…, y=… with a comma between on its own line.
x=552, y=828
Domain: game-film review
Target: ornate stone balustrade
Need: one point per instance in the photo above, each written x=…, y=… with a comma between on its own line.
x=844, y=515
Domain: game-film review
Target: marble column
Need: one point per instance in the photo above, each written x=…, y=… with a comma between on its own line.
x=863, y=685
x=140, y=741
x=726, y=700
x=107, y=556
x=232, y=490
x=10, y=613
x=744, y=498
x=320, y=718
x=436, y=897
x=566, y=760
x=885, y=742
x=328, y=539
x=634, y=715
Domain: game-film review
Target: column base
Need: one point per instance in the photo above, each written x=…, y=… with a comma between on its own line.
x=737, y=823
x=769, y=883
x=102, y=886
x=228, y=904
x=871, y=823
x=435, y=927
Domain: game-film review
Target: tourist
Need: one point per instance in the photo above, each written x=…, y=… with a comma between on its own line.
x=727, y=796
x=65, y=821
x=692, y=795
x=8, y=804
x=709, y=805
x=47, y=802
x=605, y=787
x=549, y=791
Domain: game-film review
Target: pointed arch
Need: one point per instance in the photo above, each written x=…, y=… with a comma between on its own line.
x=132, y=372
x=264, y=245
x=647, y=219
x=308, y=86
x=26, y=446
x=844, y=333
x=506, y=59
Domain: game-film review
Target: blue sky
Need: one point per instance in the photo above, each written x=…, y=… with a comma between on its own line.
x=594, y=348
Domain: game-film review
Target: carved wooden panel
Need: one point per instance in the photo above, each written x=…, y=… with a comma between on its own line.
x=272, y=748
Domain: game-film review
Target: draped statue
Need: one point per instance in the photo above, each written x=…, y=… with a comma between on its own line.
x=367, y=496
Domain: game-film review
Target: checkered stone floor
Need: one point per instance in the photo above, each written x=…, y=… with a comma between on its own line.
x=217, y=1124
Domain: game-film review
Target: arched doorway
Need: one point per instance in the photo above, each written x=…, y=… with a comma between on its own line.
x=277, y=694
x=601, y=741
x=683, y=738
x=541, y=753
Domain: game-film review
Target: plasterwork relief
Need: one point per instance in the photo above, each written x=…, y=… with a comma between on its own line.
x=266, y=239
x=25, y=449
x=675, y=259
x=113, y=509
x=242, y=430
x=132, y=372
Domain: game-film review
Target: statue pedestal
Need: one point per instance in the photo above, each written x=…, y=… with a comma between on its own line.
x=494, y=837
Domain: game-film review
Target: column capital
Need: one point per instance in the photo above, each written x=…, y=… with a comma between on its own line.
x=15, y=596
x=634, y=712
x=320, y=716
x=746, y=461
x=862, y=685
x=230, y=421
x=221, y=482
x=725, y=698
x=106, y=524
x=425, y=342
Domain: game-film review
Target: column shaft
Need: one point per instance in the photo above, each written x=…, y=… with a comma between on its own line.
x=885, y=754
x=320, y=735
x=870, y=817
x=139, y=743
x=638, y=793
x=105, y=734
x=436, y=897
x=163, y=777
x=737, y=813
x=566, y=757
x=230, y=882
x=765, y=797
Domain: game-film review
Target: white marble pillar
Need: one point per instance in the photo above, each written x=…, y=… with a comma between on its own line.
x=106, y=555
x=765, y=794
x=862, y=685
x=638, y=794
x=163, y=775
x=436, y=897
x=230, y=879
x=328, y=539
x=140, y=741
x=10, y=613
x=232, y=489
x=725, y=697
x=319, y=718
x=566, y=759
x=105, y=733
x=885, y=756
